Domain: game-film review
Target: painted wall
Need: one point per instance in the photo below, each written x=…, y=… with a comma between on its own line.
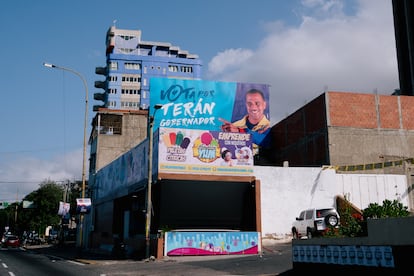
x=285, y=191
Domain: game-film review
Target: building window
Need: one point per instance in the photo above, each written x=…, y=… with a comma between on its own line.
x=172, y=68
x=127, y=37
x=112, y=78
x=111, y=124
x=186, y=69
x=131, y=79
x=129, y=91
x=132, y=66
x=113, y=65
x=129, y=105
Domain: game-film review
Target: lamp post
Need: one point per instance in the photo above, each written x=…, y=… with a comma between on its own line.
x=49, y=65
x=149, y=185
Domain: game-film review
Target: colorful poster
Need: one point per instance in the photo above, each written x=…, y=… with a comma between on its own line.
x=83, y=205
x=181, y=243
x=64, y=208
x=204, y=152
x=211, y=105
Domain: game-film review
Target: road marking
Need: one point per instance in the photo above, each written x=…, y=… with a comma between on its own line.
x=4, y=265
x=74, y=262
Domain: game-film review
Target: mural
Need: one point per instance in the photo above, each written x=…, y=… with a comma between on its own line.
x=211, y=243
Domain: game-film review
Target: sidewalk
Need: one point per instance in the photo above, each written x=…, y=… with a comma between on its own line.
x=69, y=251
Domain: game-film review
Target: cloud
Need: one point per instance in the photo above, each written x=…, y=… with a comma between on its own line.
x=329, y=50
x=21, y=176
x=229, y=60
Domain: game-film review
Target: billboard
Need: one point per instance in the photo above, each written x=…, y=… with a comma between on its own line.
x=83, y=205
x=199, y=104
x=204, y=152
x=210, y=106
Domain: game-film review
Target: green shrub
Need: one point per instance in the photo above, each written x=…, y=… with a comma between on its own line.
x=353, y=224
x=388, y=209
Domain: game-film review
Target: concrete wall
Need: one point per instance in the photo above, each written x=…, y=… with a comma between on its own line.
x=285, y=191
x=342, y=128
x=110, y=147
x=358, y=146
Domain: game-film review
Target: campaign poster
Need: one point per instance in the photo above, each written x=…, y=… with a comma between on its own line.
x=83, y=205
x=200, y=104
x=64, y=208
x=204, y=152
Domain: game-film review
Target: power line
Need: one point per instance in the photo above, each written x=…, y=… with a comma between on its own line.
x=38, y=181
x=10, y=182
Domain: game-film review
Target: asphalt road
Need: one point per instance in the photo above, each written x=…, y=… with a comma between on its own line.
x=275, y=259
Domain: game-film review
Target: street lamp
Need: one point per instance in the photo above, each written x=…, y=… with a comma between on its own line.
x=49, y=65
x=149, y=185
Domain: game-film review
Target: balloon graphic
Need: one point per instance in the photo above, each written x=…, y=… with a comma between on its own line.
x=173, y=137
x=166, y=139
x=185, y=143
x=179, y=138
x=206, y=138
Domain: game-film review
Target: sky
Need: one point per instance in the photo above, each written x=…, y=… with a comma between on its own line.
x=301, y=48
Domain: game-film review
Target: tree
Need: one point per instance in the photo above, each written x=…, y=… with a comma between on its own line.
x=46, y=200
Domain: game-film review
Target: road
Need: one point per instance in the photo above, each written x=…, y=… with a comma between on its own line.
x=276, y=259
x=16, y=262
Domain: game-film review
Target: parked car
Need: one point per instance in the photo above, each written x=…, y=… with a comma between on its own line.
x=11, y=241
x=315, y=221
x=4, y=237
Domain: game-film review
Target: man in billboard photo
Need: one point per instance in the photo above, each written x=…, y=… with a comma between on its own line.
x=254, y=122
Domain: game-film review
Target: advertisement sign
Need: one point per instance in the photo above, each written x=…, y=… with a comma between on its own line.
x=83, y=205
x=199, y=104
x=204, y=152
x=28, y=204
x=210, y=105
x=64, y=208
x=211, y=243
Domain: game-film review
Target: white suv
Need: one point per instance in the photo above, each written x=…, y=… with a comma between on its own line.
x=312, y=222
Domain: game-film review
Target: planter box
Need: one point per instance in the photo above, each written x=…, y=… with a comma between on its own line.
x=386, y=249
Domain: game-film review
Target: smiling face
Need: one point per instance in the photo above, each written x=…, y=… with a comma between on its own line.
x=256, y=106
x=227, y=155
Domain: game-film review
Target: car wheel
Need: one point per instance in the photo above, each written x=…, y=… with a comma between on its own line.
x=294, y=234
x=331, y=220
x=309, y=234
